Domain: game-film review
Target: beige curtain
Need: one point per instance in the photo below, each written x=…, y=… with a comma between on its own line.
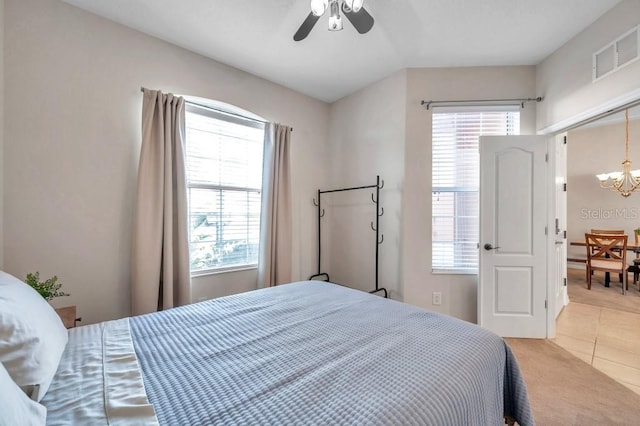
x=274, y=265
x=160, y=263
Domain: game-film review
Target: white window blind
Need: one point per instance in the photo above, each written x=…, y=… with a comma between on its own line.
x=455, y=181
x=224, y=180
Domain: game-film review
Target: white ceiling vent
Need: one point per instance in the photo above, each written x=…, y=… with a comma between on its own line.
x=617, y=54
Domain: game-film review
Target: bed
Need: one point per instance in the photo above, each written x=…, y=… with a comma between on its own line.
x=303, y=353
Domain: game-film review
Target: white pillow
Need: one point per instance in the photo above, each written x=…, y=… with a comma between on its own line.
x=17, y=408
x=32, y=336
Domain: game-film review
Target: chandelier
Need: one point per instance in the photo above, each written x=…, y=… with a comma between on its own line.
x=626, y=181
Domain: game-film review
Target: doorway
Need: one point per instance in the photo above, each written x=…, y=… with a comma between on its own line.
x=599, y=325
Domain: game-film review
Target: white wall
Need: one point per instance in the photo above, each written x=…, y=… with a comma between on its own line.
x=367, y=139
x=72, y=141
x=384, y=130
x=592, y=151
x=564, y=79
x=459, y=292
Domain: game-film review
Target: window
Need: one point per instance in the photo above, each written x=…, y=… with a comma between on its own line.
x=455, y=181
x=224, y=181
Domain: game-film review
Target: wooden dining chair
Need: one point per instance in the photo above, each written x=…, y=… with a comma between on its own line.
x=607, y=253
x=635, y=268
x=609, y=232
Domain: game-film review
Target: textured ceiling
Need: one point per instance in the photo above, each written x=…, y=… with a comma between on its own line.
x=257, y=35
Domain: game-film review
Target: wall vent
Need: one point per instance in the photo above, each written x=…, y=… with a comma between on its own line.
x=617, y=54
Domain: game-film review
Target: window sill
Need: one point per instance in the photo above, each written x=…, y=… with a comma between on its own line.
x=453, y=272
x=206, y=272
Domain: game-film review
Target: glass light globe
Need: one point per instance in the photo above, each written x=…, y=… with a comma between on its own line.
x=318, y=7
x=354, y=5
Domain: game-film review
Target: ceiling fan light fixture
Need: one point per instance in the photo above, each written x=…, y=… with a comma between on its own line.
x=318, y=7
x=361, y=21
x=335, y=20
x=335, y=23
x=354, y=5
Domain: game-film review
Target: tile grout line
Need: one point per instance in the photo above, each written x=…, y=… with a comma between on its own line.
x=595, y=343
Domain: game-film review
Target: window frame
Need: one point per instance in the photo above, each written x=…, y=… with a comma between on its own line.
x=219, y=113
x=464, y=188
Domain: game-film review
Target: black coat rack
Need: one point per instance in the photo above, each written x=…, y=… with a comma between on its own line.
x=379, y=237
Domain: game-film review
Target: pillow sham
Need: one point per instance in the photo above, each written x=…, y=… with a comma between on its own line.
x=32, y=336
x=17, y=408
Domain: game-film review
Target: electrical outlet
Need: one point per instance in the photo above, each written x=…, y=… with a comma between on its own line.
x=436, y=298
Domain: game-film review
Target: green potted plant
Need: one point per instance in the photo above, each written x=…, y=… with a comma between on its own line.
x=48, y=289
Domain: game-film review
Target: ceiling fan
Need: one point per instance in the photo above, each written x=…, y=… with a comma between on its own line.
x=352, y=9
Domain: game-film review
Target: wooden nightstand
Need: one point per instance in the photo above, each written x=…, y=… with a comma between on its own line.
x=68, y=316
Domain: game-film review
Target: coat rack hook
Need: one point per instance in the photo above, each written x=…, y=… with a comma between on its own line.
x=315, y=203
x=322, y=214
x=372, y=226
x=373, y=199
x=381, y=211
x=381, y=239
x=381, y=184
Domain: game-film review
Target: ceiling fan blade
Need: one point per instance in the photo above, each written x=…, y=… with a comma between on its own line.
x=306, y=27
x=361, y=20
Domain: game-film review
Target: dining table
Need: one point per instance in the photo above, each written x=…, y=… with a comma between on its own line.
x=631, y=246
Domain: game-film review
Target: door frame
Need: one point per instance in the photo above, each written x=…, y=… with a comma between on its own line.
x=552, y=259
x=563, y=126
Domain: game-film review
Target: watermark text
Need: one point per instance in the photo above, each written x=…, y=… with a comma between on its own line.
x=630, y=213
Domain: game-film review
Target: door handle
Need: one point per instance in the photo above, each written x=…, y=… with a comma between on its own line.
x=488, y=246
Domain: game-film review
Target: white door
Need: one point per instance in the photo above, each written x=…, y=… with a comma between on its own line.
x=512, y=285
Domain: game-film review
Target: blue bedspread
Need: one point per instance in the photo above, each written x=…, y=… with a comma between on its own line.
x=317, y=353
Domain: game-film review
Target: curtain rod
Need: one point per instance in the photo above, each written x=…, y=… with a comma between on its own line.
x=223, y=111
x=517, y=101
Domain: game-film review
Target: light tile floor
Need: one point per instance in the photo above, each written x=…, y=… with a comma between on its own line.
x=607, y=339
